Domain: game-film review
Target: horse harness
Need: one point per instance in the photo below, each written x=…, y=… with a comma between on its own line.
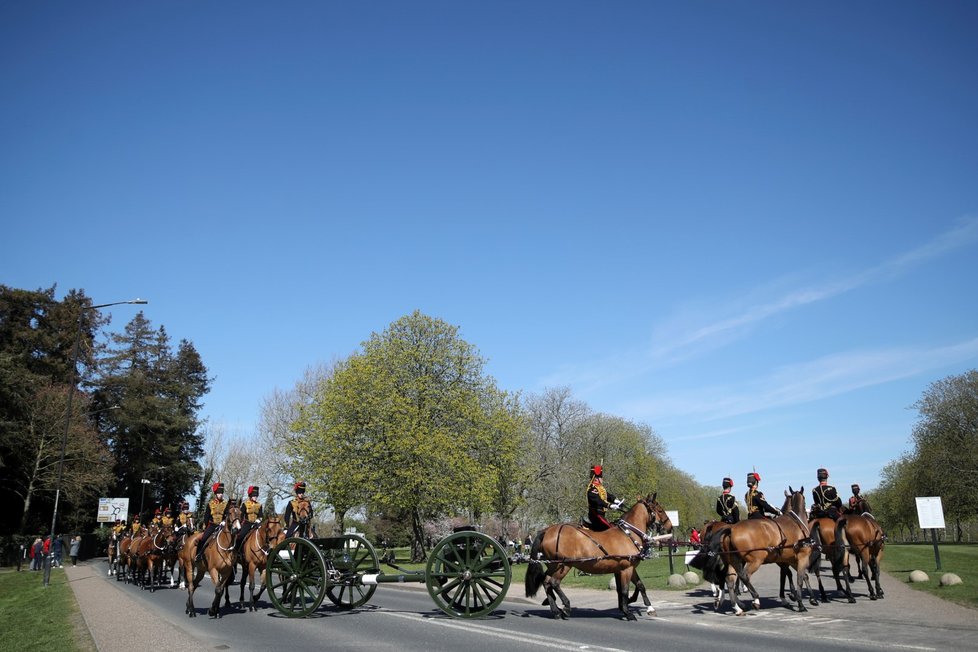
x=642, y=545
x=796, y=546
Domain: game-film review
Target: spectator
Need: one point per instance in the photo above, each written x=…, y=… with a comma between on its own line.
x=57, y=547
x=694, y=537
x=73, y=551
x=36, y=551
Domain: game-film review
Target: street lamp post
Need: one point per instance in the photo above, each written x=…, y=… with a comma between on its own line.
x=64, y=438
x=142, y=497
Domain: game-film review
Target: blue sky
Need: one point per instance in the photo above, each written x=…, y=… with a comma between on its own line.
x=753, y=226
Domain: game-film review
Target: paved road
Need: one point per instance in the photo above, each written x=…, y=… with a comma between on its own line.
x=404, y=618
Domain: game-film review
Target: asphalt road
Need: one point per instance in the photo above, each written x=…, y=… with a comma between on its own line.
x=404, y=618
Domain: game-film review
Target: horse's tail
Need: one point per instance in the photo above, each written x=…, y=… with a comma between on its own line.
x=534, y=571
x=714, y=565
x=841, y=541
x=817, y=547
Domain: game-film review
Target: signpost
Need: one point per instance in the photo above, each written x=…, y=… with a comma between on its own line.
x=673, y=515
x=110, y=509
x=930, y=514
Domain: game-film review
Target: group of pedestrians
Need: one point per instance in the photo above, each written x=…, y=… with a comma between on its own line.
x=42, y=547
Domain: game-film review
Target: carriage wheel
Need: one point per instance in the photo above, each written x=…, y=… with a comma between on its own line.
x=355, y=558
x=296, y=577
x=468, y=574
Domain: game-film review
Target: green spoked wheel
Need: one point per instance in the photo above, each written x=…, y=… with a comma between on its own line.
x=468, y=574
x=352, y=556
x=296, y=577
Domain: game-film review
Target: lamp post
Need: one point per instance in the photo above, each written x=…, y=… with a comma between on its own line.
x=142, y=497
x=64, y=438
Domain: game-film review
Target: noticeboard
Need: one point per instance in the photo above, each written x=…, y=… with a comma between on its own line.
x=673, y=515
x=930, y=512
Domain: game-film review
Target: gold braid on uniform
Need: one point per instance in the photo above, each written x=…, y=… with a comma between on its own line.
x=602, y=492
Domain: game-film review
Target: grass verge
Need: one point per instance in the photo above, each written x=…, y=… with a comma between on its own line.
x=35, y=617
x=899, y=560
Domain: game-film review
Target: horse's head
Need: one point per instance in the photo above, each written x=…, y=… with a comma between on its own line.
x=657, y=517
x=232, y=516
x=272, y=530
x=794, y=501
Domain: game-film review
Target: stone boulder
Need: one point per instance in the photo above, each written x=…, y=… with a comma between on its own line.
x=692, y=579
x=950, y=579
x=677, y=581
x=919, y=576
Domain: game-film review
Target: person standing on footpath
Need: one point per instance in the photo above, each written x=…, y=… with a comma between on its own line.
x=73, y=550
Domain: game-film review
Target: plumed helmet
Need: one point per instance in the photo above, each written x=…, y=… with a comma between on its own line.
x=218, y=487
x=727, y=483
x=157, y=512
x=596, y=470
x=300, y=487
x=118, y=520
x=752, y=479
x=252, y=491
x=185, y=505
x=136, y=517
x=167, y=510
x=855, y=489
x=823, y=475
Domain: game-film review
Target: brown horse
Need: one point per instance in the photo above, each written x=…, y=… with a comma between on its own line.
x=618, y=550
x=123, y=567
x=112, y=551
x=823, y=534
x=148, y=554
x=218, y=561
x=785, y=540
x=254, y=555
x=862, y=535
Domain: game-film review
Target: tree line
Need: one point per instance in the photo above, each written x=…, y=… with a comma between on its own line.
x=134, y=414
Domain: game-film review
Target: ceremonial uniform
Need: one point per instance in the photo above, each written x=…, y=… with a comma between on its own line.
x=598, y=500
x=251, y=513
x=296, y=506
x=185, y=519
x=157, y=519
x=136, y=526
x=213, y=517
x=757, y=507
x=855, y=500
x=825, y=498
x=727, y=508
x=167, y=519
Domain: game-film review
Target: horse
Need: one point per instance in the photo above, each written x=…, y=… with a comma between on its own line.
x=218, y=561
x=712, y=564
x=148, y=553
x=113, y=553
x=618, y=550
x=823, y=536
x=785, y=540
x=123, y=568
x=862, y=535
x=254, y=555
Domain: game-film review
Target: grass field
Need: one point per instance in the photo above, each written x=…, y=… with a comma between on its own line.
x=962, y=560
x=35, y=617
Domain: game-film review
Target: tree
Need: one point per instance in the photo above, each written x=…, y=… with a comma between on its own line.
x=410, y=424
x=155, y=433
x=946, y=440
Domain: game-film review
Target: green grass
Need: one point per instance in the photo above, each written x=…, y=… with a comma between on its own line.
x=35, y=617
x=962, y=560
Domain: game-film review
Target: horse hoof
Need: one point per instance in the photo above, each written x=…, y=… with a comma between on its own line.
x=852, y=601
x=814, y=603
x=650, y=611
x=872, y=597
x=741, y=613
x=756, y=604
x=630, y=616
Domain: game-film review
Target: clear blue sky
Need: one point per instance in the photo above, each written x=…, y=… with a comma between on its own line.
x=753, y=226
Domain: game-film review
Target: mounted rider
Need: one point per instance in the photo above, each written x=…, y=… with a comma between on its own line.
x=136, y=527
x=295, y=507
x=857, y=503
x=599, y=499
x=757, y=507
x=825, y=499
x=157, y=519
x=251, y=512
x=185, y=519
x=213, y=518
x=727, y=508
x=167, y=519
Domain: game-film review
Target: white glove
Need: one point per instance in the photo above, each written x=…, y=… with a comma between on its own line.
x=616, y=504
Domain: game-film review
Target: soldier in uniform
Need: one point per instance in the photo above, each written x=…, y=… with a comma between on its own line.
x=825, y=498
x=157, y=518
x=119, y=528
x=727, y=508
x=295, y=506
x=136, y=526
x=855, y=500
x=757, y=507
x=252, y=514
x=185, y=519
x=167, y=519
x=598, y=500
x=213, y=517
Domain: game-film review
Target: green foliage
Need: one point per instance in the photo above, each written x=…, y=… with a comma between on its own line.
x=38, y=618
x=411, y=415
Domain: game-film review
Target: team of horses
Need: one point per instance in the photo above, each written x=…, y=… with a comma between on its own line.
x=161, y=551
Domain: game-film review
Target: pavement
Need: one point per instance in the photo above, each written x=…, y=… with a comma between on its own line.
x=116, y=620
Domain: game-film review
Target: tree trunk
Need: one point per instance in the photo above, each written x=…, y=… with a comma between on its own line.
x=418, y=554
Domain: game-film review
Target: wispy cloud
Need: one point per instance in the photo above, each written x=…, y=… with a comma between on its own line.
x=795, y=384
x=690, y=332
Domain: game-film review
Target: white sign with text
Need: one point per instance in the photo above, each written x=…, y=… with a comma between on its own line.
x=930, y=513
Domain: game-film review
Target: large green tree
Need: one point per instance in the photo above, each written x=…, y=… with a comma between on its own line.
x=154, y=431
x=411, y=424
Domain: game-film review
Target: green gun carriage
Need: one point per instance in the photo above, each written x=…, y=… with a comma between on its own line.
x=467, y=574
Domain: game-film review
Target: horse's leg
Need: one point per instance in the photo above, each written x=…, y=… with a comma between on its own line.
x=875, y=565
x=220, y=585
x=622, y=580
x=733, y=576
x=640, y=588
x=870, y=572
x=551, y=584
x=745, y=573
